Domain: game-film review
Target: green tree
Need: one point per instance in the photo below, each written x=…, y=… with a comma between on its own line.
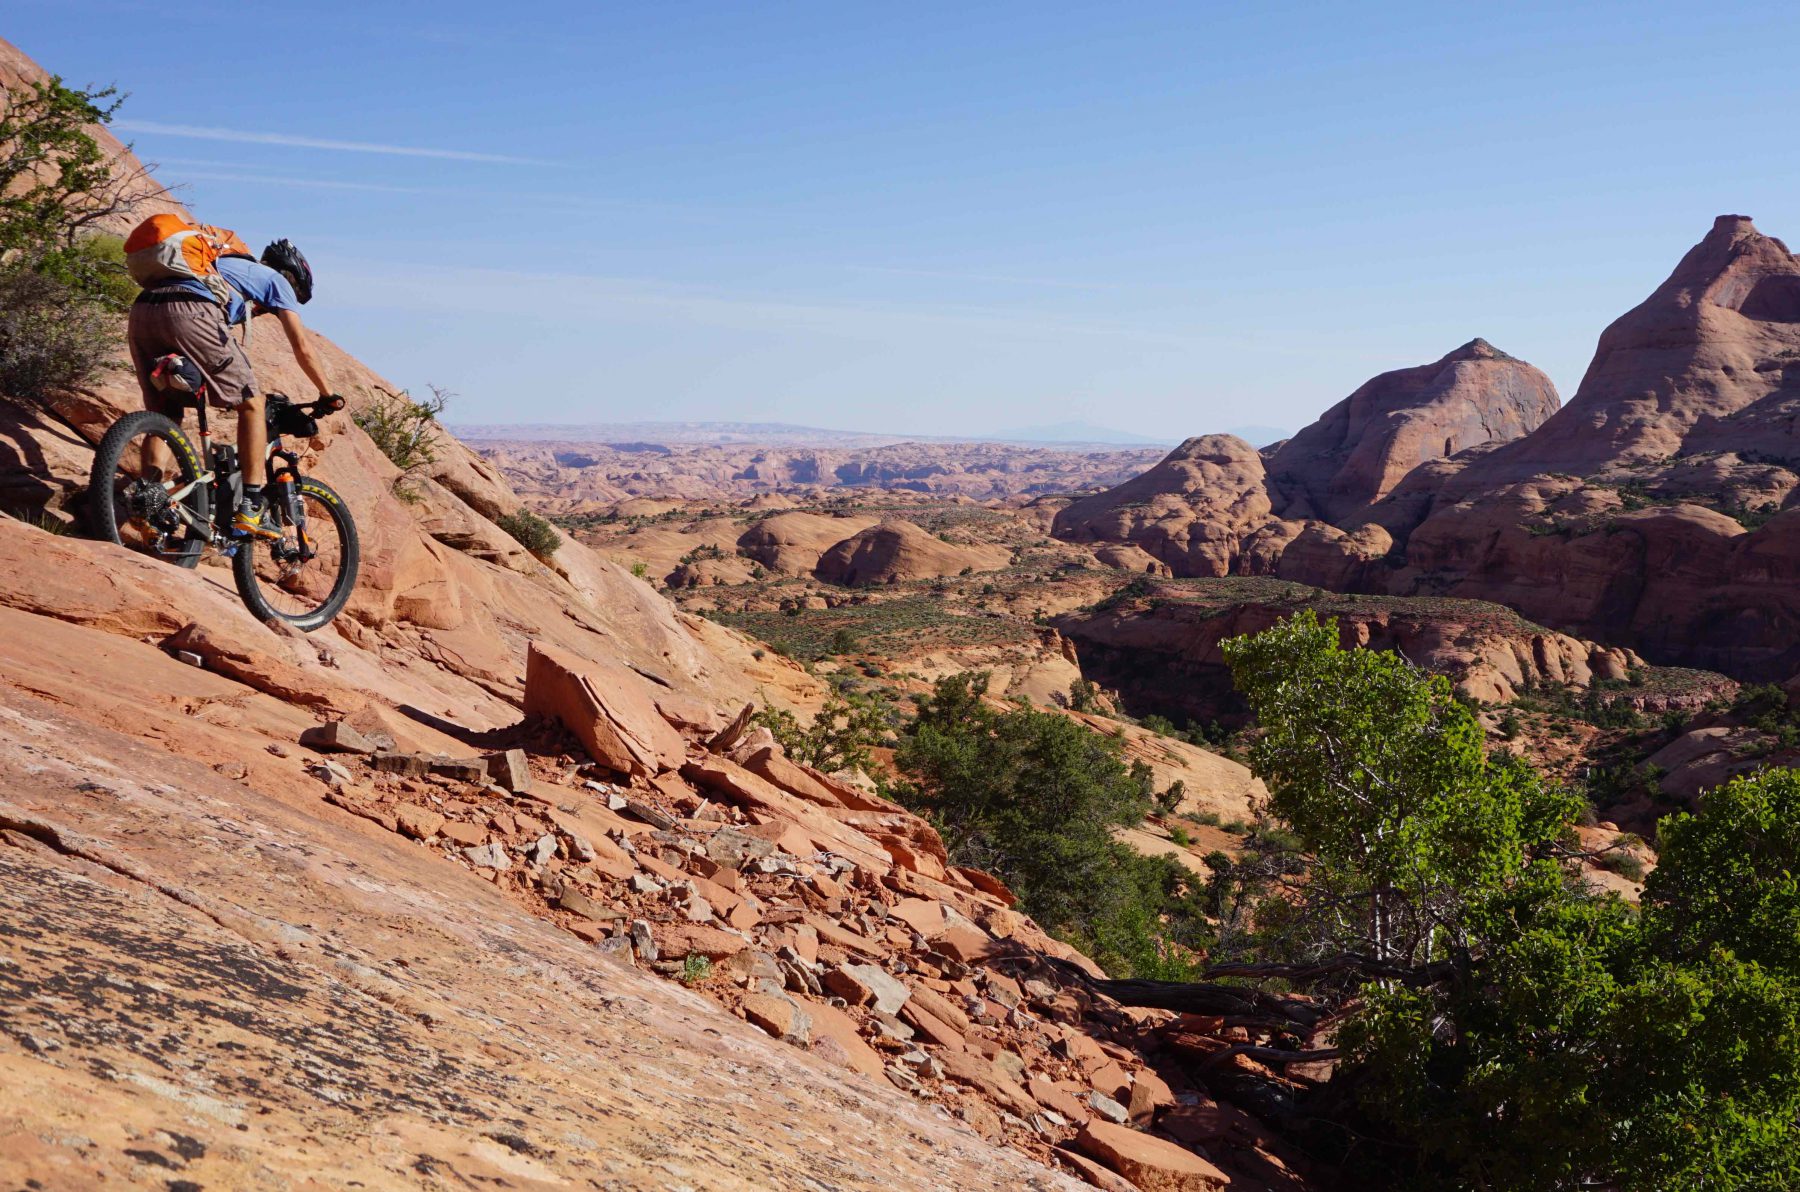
x=841, y=735
x=1035, y=797
x=61, y=279
x=1502, y=1027
x=1381, y=772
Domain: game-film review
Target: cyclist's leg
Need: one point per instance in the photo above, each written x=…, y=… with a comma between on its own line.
x=142, y=339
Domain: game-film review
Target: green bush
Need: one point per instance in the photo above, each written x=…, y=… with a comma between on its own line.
x=52, y=336
x=840, y=735
x=1034, y=797
x=406, y=431
x=62, y=283
x=531, y=532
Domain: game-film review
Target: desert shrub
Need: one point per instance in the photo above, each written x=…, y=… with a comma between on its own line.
x=61, y=281
x=406, y=431
x=840, y=735
x=531, y=532
x=1622, y=863
x=52, y=336
x=843, y=642
x=695, y=969
x=1171, y=796
x=1034, y=798
x=640, y=569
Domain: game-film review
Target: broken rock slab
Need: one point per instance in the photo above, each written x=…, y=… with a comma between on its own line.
x=336, y=737
x=611, y=710
x=1153, y=1164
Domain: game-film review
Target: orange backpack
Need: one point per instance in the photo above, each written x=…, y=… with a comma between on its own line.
x=167, y=248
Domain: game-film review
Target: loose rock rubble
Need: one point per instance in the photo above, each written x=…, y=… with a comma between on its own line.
x=825, y=916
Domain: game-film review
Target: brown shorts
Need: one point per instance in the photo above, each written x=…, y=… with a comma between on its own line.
x=197, y=330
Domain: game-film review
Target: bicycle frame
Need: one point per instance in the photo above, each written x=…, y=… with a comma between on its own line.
x=282, y=487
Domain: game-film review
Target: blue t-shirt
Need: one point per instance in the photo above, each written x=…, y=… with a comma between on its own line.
x=252, y=281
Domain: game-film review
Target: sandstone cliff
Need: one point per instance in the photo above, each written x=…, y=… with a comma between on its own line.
x=1653, y=511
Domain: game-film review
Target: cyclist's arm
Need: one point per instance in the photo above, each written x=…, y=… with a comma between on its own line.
x=303, y=353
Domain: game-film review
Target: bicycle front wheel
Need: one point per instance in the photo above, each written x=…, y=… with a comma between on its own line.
x=304, y=578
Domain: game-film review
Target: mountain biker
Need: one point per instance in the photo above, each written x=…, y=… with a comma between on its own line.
x=183, y=316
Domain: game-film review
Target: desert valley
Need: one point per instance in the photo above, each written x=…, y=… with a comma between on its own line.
x=716, y=806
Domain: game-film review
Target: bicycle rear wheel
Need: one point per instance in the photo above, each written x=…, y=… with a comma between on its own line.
x=305, y=578
x=145, y=491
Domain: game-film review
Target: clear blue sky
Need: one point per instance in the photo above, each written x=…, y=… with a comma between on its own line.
x=932, y=218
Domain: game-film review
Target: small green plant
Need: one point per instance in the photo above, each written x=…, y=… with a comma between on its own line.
x=843, y=642
x=1178, y=835
x=640, y=569
x=695, y=969
x=531, y=532
x=406, y=431
x=1170, y=798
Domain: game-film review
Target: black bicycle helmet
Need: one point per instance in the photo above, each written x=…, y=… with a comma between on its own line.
x=283, y=257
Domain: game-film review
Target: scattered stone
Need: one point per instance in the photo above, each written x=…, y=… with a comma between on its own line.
x=460, y=833
x=1108, y=1108
x=734, y=849
x=189, y=657
x=420, y=823
x=336, y=737
x=1094, y=1174
x=509, y=770
x=488, y=856
x=615, y=947
x=580, y=847
x=459, y=769
x=331, y=772
x=642, y=883
x=609, y=708
x=887, y=993
x=1153, y=1164
x=642, y=941
x=655, y=816
x=780, y=1016
x=415, y=765
x=903, y=1080
x=676, y=941
x=542, y=850
x=236, y=771
x=575, y=902
x=890, y=1027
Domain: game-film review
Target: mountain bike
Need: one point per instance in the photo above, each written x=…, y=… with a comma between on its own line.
x=154, y=491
